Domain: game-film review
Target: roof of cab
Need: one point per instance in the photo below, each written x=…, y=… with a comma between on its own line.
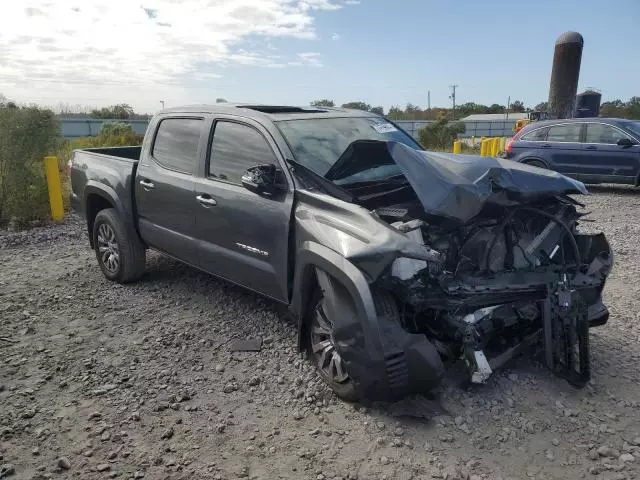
x=271, y=112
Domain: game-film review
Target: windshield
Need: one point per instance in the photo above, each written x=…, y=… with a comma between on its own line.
x=634, y=127
x=318, y=143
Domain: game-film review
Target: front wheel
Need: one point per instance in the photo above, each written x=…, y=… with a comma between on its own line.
x=121, y=258
x=323, y=351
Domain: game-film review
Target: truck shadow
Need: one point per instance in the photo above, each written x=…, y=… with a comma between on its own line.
x=523, y=381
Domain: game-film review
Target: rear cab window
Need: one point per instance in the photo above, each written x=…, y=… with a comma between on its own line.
x=176, y=144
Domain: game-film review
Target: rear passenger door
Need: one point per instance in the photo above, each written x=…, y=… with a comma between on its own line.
x=164, y=185
x=606, y=157
x=566, y=150
x=243, y=236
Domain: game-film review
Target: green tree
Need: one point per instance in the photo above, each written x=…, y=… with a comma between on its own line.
x=496, y=108
x=121, y=111
x=613, y=108
x=26, y=136
x=377, y=110
x=517, y=106
x=323, y=103
x=541, y=107
x=221, y=100
x=357, y=106
x=440, y=135
x=396, y=113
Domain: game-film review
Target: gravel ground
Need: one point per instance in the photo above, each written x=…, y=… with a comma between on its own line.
x=99, y=380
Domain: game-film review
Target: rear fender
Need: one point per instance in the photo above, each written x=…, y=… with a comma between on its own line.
x=109, y=194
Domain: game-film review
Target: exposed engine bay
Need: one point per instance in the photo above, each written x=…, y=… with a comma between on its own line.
x=500, y=280
x=503, y=267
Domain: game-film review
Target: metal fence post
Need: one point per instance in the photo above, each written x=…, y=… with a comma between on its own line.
x=55, y=188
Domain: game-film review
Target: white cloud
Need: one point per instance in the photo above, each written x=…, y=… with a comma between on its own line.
x=335, y=36
x=106, y=47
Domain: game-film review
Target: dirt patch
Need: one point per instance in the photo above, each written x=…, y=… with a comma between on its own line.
x=99, y=380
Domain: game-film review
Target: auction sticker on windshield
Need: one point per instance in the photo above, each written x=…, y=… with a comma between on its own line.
x=384, y=128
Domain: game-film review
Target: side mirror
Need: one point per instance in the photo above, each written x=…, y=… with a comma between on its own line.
x=260, y=179
x=625, y=142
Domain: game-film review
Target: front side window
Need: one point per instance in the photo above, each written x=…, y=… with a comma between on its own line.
x=176, y=143
x=564, y=133
x=634, y=127
x=539, y=135
x=235, y=148
x=600, y=133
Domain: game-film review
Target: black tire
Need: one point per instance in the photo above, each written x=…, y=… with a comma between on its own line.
x=121, y=256
x=536, y=163
x=344, y=389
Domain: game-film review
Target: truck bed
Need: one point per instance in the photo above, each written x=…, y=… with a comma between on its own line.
x=132, y=153
x=105, y=175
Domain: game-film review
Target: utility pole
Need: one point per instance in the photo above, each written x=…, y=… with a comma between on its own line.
x=429, y=101
x=453, y=98
x=508, y=106
x=162, y=102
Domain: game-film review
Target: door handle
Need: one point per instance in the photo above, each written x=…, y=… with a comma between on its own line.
x=147, y=185
x=546, y=145
x=206, y=201
x=592, y=147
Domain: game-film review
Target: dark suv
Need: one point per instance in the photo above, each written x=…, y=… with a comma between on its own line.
x=593, y=150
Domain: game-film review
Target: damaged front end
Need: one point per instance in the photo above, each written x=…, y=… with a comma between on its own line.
x=482, y=256
x=507, y=281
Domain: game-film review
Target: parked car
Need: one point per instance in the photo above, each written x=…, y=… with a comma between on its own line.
x=593, y=150
x=393, y=261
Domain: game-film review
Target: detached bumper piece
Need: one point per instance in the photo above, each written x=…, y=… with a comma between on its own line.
x=566, y=334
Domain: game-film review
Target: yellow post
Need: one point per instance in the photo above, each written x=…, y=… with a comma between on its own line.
x=457, y=147
x=483, y=147
x=503, y=143
x=495, y=146
x=55, y=188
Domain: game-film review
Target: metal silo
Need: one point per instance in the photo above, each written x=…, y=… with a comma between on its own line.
x=588, y=104
x=564, y=75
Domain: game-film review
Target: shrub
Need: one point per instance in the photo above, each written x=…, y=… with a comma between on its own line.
x=440, y=135
x=27, y=135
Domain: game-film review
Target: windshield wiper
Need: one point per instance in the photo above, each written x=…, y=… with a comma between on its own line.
x=394, y=179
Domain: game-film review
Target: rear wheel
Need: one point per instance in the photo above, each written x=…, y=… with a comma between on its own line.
x=536, y=163
x=323, y=352
x=121, y=258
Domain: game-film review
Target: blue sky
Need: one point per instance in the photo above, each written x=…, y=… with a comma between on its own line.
x=383, y=52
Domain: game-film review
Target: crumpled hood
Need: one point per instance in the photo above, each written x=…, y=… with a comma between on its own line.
x=457, y=186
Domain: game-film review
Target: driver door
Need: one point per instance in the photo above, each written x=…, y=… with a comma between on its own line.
x=241, y=235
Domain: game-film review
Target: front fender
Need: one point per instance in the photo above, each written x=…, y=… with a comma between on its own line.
x=383, y=360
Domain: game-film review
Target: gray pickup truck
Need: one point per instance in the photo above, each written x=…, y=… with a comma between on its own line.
x=394, y=261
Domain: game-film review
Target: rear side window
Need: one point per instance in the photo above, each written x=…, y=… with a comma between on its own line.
x=235, y=148
x=539, y=135
x=564, y=133
x=600, y=133
x=176, y=144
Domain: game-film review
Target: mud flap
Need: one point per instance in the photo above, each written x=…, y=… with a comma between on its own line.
x=566, y=334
